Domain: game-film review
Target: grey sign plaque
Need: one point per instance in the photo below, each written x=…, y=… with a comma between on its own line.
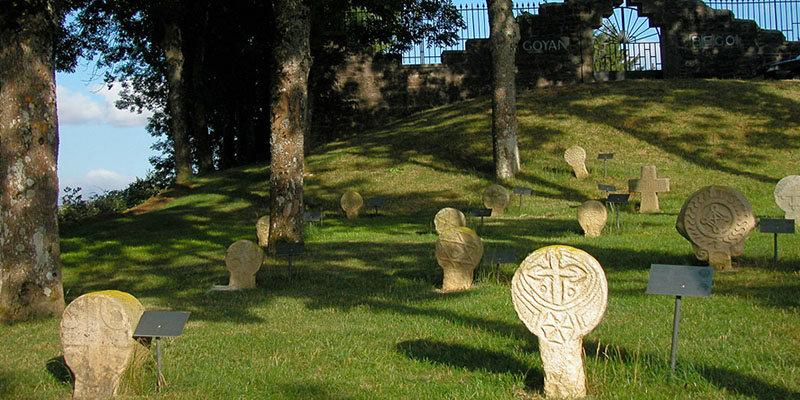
x=481, y=212
x=312, y=216
x=680, y=280
x=503, y=256
x=605, y=156
x=607, y=188
x=617, y=198
x=776, y=225
x=522, y=191
x=161, y=323
x=284, y=249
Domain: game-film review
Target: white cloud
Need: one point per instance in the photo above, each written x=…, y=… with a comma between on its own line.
x=75, y=108
x=98, y=181
x=116, y=117
x=78, y=108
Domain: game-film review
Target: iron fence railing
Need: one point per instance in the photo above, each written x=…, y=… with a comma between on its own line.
x=781, y=15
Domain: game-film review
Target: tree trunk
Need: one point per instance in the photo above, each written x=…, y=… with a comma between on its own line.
x=176, y=99
x=30, y=266
x=504, y=35
x=289, y=120
x=204, y=150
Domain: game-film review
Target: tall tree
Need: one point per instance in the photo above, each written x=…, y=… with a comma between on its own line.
x=503, y=37
x=30, y=268
x=289, y=119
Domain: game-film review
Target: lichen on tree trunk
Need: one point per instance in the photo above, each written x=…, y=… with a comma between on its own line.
x=503, y=42
x=289, y=120
x=30, y=267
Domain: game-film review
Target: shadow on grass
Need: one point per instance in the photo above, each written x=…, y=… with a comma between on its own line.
x=460, y=356
x=745, y=385
x=57, y=367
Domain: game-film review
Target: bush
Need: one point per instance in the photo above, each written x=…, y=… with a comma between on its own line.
x=74, y=208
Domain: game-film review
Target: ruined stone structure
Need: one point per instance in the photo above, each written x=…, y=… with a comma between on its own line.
x=555, y=49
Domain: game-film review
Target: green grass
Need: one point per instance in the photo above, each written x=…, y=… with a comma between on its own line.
x=363, y=319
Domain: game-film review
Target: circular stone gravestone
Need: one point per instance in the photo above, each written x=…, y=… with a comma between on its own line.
x=448, y=218
x=97, y=339
x=576, y=158
x=787, y=196
x=262, y=231
x=592, y=216
x=458, y=252
x=716, y=220
x=495, y=197
x=243, y=260
x=560, y=294
x=351, y=203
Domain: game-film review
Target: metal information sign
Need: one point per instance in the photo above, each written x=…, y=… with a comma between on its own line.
x=504, y=256
x=605, y=157
x=617, y=198
x=376, y=202
x=607, y=188
x=776, y=226
x=522, y=191
x=160, y=324
x=289, y=250
x=481, y=212
x=678, y=281
x=312, y=216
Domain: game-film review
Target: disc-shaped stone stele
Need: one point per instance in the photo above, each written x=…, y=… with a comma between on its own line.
x=351, y=203
x=560, y=294
x=495, y=197
x=576, y=158
x=262, y=231
x=243, y=260
x=448, y=218
x=716, y=220
x=592, y=216
x=458, y=252
x=97, y=339
x=787, y=195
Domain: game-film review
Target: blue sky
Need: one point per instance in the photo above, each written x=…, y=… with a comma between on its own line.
x=100, y=148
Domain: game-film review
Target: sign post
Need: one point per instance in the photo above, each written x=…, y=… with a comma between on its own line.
x=160, y=324
x=312, y=216
x=522, y=191
x=376, y=202
x=776, y=226
x=679, y=281
x=481, y=212
x=617, y=199
x=605, y=157
x=289, y=250
x=499, y=256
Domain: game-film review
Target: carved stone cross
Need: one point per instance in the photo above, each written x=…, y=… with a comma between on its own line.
x=649, y=186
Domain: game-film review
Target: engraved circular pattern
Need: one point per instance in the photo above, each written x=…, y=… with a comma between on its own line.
x=787, y=194
x=351, y=201
x=459, y=247
x=575, y=155
x=560, y=293
x=495, y=196
x=716, y=216
x=448, y=218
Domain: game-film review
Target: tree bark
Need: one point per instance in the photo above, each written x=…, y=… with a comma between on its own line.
x=204, y=151
x=176, y=98
x=289, y=120
x=30, y=266
x=504, y=35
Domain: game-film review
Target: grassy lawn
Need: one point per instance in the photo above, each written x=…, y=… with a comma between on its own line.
x=361, y=318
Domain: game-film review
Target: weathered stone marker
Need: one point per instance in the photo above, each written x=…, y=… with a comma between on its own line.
x=496, y=197
x=787, y=195
x=243, y=260
x=97, y=338
x=351, y=203
x=649, y=186
x=448, y=218
x=576, y=158
x=716, y=220
x=458, y=252
x=560, y=294
x=592, y=216
x=262, y=231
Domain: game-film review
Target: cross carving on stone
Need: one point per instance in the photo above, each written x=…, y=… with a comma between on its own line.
x=649, y=186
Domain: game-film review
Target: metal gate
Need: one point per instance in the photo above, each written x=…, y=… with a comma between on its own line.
x=626, y=42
